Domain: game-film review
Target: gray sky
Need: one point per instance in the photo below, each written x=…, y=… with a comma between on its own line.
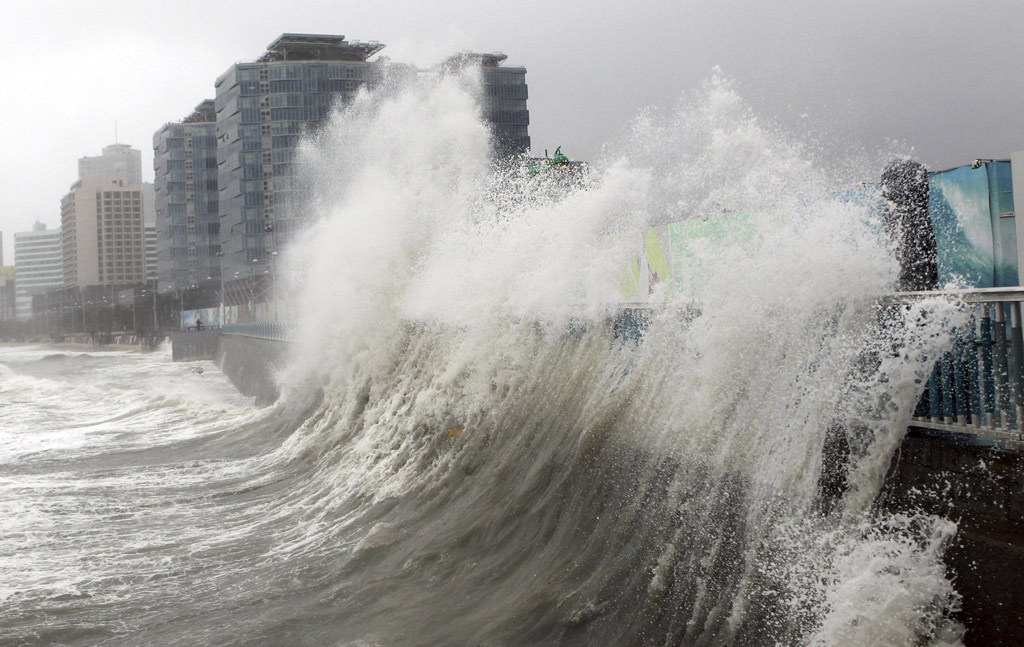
x=945, y=77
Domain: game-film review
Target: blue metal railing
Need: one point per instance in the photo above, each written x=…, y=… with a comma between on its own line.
x=977, y=386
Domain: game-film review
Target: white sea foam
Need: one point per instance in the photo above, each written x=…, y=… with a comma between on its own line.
x=788, y=343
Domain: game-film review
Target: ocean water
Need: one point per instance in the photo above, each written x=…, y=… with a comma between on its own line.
x=465, y=452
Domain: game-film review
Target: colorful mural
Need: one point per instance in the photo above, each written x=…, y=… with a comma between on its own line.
x=210, y=318
x=972, y=212
x=673, y=255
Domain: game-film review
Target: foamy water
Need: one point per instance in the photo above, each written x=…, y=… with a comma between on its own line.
x=466, y=454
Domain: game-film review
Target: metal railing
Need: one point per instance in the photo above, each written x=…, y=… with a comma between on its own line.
x=272, y=330
x=977, y=386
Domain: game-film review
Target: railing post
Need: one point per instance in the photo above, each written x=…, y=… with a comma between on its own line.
x=1017, y=353
x=971, y=358
x=988, y=388
x=961, y=406
x=1001, y=369
x=946, y=382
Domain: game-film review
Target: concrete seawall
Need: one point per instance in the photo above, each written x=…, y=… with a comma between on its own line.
x=251, y=364
x=190, y=346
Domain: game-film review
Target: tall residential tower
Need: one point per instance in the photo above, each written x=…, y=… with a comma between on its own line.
x=504, y=98
x=186, y=197
x=119, y=161
x=263, y=107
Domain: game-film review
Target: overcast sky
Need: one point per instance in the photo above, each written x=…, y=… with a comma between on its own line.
x=945, y=77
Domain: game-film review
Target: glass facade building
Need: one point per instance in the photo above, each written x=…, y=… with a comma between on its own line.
x=186, y=198
x=263, y=108
x=503, y=101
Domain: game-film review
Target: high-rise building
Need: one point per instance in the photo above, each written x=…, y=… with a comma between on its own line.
x=262, y=109
x=37, y=266
x=151, y=253
x=118, y=161
x=504, y=98
x=102, y=237
x=186, y=198
x=7, y=295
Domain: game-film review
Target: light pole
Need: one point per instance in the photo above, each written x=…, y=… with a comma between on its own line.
x=223, y=306
x=270, y=229
x=112, y=308
x=156, y=321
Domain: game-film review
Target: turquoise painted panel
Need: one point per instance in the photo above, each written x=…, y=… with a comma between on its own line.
x=961, y=215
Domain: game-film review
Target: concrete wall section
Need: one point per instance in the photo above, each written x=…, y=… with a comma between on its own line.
x=251, y=364
x=195, y=345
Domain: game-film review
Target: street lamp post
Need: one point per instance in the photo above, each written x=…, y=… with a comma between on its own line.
x=223, y=307
x=270, y=229
x=254, y=281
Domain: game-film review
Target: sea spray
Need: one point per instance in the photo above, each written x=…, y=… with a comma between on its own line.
x=443, y=293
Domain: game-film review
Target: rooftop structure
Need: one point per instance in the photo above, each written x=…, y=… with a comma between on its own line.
x=318, y=47
x=205, y=112
x=118, y=161
x=483, y=59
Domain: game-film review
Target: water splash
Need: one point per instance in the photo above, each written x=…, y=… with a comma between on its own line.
x=659, y=492
x=601, y=489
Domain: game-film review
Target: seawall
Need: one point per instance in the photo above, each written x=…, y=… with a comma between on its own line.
x=981, y=486
x=251, y=364
x=190, y=346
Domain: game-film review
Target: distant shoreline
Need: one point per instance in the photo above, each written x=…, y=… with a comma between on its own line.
x=70, y=346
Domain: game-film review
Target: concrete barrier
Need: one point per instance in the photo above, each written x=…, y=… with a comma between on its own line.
x=251, y=364
x=191, y=346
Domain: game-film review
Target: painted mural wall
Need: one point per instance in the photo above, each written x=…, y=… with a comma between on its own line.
x=972, y=212
x=975, y=227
